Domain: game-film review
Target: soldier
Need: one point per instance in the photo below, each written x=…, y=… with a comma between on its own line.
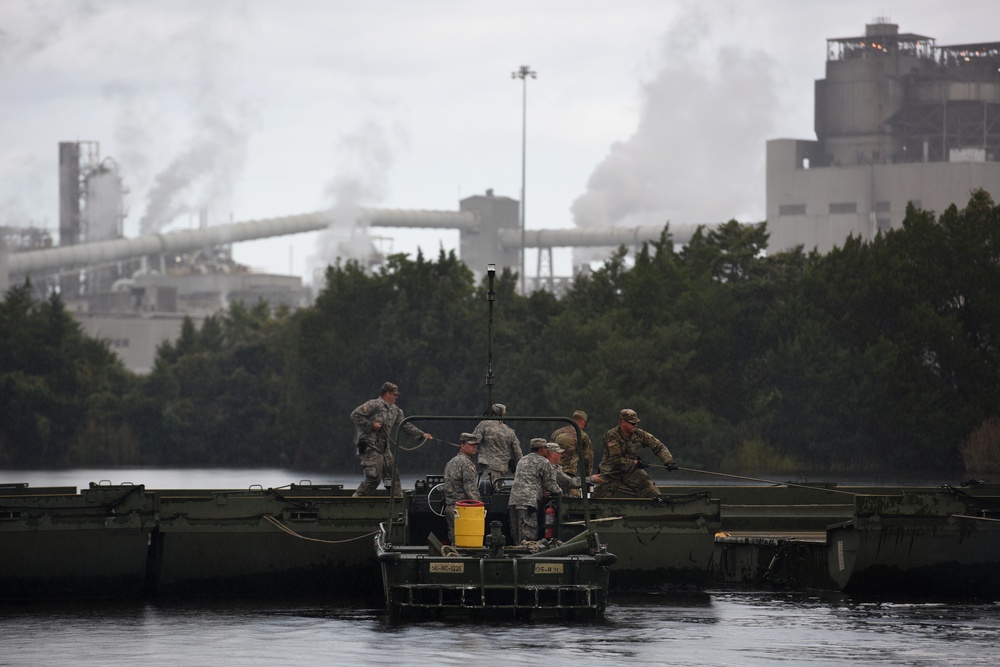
x=375, y=421
x=532, y=479
x=460, y=479
x=499, y=448
x=621, y=466
x=565, y=437
x=570, y=484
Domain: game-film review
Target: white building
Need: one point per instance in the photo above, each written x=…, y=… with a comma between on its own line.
x=898, y=119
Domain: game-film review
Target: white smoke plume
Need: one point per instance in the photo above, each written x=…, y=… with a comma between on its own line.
x=203, y=170
x=697, y=155
x=200, y=176
x=364, y=159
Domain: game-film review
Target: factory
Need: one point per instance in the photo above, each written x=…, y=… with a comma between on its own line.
x=898, y=119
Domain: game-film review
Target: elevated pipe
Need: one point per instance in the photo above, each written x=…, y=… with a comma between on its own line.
x=607, y=236
x=102, y=252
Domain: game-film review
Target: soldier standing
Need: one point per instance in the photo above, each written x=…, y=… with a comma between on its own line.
x=532, y=479
x=499, y=448
x=460, y=479
x=621, y=467
x=375, y=421
x=570, y=484
x=565, y=437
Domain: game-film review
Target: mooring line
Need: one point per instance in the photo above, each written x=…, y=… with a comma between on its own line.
x=291, y=532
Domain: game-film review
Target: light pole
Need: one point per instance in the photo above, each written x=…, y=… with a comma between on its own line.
x=523, y=74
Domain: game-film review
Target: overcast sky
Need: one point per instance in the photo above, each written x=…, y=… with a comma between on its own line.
x=643, y=111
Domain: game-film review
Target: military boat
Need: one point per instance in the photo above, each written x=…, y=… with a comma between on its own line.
x=480, y=576
x=128, y=541
x=942, y=542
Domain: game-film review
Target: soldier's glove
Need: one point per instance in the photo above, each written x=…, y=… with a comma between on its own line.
x=640, y=464
x=671, y=466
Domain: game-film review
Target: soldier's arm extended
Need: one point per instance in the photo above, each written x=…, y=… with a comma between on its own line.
x=549, y=482
x=411, y=430
x=564, y=481
x=658, y=448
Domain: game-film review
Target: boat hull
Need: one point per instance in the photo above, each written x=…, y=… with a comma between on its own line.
x=421, y=583
x=56, y=543
x=918, y=544
x=659, y=545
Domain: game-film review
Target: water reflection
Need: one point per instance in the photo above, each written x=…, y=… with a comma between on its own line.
x=718, y=628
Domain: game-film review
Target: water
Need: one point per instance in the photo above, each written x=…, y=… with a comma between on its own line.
x=714, y=628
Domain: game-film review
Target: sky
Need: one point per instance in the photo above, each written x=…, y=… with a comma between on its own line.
x=642, y=111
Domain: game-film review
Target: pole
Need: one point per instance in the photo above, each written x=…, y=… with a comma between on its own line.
x=491, y=297
x=523, y=73
x=524, y=171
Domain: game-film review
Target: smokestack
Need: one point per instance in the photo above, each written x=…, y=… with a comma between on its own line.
x=69, y=193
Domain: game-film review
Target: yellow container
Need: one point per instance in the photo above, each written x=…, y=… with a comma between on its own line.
x=470, y=523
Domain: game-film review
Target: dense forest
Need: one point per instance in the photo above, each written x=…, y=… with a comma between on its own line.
x=880, y=356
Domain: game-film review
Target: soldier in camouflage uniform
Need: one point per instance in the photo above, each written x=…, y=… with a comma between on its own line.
x=532, y=479
x=570, y=484
x=621, y=467
x=375, y=421
x=499, y=448
x=461, y=482
x=565, y=437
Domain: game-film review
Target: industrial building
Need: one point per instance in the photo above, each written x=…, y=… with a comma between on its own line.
x=898, y=119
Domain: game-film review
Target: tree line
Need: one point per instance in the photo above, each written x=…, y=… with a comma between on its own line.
x=879, y=356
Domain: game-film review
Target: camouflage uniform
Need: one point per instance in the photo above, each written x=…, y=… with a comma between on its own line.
x=566, y=438
x=460, y=483
x=618, y=463
x=373, y=446
x=498, y=447
x=534, y=476
x=569, y=484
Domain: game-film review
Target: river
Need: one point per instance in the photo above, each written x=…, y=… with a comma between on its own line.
x=717, y=627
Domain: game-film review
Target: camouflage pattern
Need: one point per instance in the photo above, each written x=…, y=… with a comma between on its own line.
x=373, y=446
x=523, y=524
x=565, y=437
x=460, y=483
x=618, y=463
x=499, y=448
x=533, y=477
x=569, y=484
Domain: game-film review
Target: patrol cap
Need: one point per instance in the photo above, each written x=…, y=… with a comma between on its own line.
x=629, y=415
x=389, y=387
x=499, y=409
x=580, y=414
x=537, y=443
x=469, y=438
x=553, y=447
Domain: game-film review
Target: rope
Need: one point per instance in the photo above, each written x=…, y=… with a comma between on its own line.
x=291, y=532
x=755, y=479
x=580, y=523
x=413, y=449
x=975, y=518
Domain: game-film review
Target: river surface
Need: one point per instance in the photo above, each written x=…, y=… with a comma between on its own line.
x=717, y=627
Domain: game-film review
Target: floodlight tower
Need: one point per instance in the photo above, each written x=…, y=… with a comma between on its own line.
x=523, y=74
